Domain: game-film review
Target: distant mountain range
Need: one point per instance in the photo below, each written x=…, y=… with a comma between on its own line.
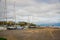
x=49, y=24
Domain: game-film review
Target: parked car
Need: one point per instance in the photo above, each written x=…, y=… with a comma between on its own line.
x=32, y=27
x=19, y=27
x=11, y=28
x=3, y=28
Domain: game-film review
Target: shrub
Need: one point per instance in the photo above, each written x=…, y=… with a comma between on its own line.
x=3, y=39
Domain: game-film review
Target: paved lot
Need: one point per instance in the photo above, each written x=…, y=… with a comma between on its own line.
x=31, y=34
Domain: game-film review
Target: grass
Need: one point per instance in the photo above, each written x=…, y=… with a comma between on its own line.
x=3, y=39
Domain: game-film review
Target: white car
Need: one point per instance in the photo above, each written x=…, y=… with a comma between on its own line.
x=19, y=27
x=3, y=28
x=11, y=28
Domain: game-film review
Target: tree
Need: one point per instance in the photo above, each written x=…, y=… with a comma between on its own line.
x=10, y=23
x=32, y=24
x=22, y=23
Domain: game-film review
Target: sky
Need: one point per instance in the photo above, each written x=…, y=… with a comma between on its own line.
x=34, y=11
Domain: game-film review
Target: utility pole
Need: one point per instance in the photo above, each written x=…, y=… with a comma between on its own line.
x=5, y=13
x=14, y=13
x=28, y=21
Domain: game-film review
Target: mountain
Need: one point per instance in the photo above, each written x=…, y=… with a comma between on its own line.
x=48, y=24
x=56, y=24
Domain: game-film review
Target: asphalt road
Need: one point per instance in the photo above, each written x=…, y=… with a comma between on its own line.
x=31, y=34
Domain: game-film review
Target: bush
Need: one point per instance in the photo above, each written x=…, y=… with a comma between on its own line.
x=3, y=39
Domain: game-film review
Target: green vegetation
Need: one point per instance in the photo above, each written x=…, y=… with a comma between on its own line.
x=11, y=23
x=22, y=23
x=3, y=39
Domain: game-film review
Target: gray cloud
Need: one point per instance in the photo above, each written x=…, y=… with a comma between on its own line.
x=48, y=1
x=31, y=9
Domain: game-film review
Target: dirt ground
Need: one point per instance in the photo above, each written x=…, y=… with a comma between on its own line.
x=31, y=34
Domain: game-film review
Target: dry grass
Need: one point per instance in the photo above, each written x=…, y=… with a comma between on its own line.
x=32, y=34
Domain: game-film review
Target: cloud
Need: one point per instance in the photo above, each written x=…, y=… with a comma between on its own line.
x=48, y=1
x=44, y=11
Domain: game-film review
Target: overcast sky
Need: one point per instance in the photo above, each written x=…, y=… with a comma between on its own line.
x=43, y=11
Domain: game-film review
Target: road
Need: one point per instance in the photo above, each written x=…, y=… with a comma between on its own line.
x=31, y=34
